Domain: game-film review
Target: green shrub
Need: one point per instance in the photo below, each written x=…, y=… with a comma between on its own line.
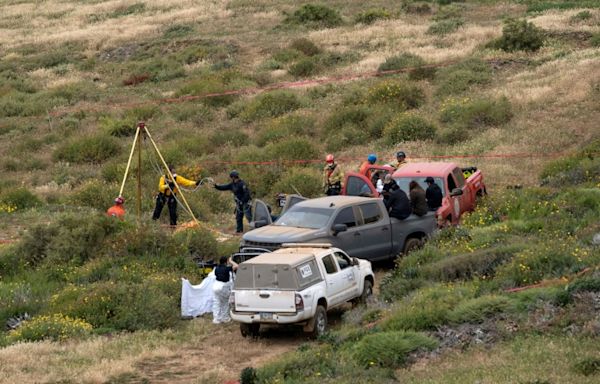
x=408, y=127
x=478, y=309
x=20, y=198
x=270, y=104
x=371, y=15
x=394, y=287
x=285, y=126
x=211, y=83
x=587, y=366
x=314, y=16
x=476, y=114
x=118, y=127
x=125, y=10
x=199, y=243
x=480, y=263
x=581, y=16
x=444, y=27
x=401, y=61
x=595, y=40
x=304, y=180
x=304, y=67
x=460, y=77
x=178, y=30
x=305, y=46
x=390, y=349
x=453, y=11
x=356, y=116
x=418, y=318
x=298, y=366
x=54, y=327
x=231, y=137
x=292, y=149
x=400, y=95
x=346, y=136
x=520, y=35
x=93, y=193
x=286, y=55
x=585, y=284
x=453, y=134
x=270, y=133
x=581, y=167
x=91, y=149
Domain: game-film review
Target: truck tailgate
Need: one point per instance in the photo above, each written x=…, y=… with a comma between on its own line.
x=264, y=301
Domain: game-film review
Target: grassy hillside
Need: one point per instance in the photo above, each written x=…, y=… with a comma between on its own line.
x=473, y=83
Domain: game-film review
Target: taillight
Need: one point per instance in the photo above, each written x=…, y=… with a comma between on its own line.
x=232, y=300
x=299, y=303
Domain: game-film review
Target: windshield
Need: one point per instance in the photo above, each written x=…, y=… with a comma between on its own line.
x=304, y=217
x=404, y=181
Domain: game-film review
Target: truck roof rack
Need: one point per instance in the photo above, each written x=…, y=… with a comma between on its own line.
x=306, y=245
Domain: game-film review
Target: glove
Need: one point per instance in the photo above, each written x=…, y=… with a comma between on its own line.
x=172, y=185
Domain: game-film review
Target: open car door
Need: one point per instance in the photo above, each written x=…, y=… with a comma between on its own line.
x=356, y=184
x=260, y=213
x=290, y=201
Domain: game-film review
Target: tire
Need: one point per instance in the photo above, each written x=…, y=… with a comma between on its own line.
x=412, y=244
x=320, y=320
x=367, y=293
x=251, y=330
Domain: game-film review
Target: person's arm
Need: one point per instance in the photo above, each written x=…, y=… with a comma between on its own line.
x=183, y=182
x=234, y=265
x=162, y=185
x=224, y=187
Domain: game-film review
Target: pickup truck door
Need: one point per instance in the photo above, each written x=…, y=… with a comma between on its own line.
x=358, y=185
x=350, y=240
x=375, y=232
x=337, y=282
x=350, y=275
x=456, y=202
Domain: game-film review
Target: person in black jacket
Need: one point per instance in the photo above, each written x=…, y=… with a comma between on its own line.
x=417, y=198
x=398, y=204
x=433, y=194
x=241, y=194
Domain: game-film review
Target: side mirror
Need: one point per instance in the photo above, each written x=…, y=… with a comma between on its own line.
x=355, y=261
x=456, y=192
x=260, y=223
x=337, y=228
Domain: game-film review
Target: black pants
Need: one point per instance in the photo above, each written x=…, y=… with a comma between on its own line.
x=161, y=199
x=241, y=210
x=334, y=189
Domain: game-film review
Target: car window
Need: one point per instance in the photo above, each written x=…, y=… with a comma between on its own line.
x=307, y=274
x=404, y=181
x=343, y=260
x=346, y=216
x=329, y=264
x=371, y=212
x=305, y=217
x=356, y=186
x=265, y=276
x=458, y=175
x=451, y=183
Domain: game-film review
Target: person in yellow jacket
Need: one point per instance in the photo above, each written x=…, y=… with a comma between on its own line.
x=167, y=190
x=332, y=177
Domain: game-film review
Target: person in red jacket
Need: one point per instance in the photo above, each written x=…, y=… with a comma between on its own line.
x=117, y=210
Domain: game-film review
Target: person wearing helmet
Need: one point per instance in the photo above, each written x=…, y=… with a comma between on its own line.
x=167, y=193
x=365, y=167
x=241, y=195
x=332, y=177
x=117, y=210
x=400, y=159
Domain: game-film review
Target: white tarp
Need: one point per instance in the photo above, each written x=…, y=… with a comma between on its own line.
x=197, y=300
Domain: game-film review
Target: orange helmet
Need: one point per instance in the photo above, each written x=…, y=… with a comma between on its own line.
x=329, y=158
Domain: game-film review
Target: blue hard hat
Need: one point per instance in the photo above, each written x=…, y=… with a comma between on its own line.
x=372, y=158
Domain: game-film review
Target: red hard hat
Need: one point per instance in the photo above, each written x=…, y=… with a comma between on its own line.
x=329, y=158
x=119, y=200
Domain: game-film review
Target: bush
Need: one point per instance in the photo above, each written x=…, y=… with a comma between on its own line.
x=118, y=127
x=408, y=127
x=399, y=94
x=199, y=243
x=444, y=27
x=305, y=46
x=587, y=366
x=93, y=193
x=315, y=16
x=232, y=137
x=520, y=35
x=210, y=83
x=20, y=198
x=401, y=61
x=389, y=349
x=581, y=167
x=478, y=309
x=371, y=15
x=91, y=149
x=595, y=39
x=295, y=368
x=304, y=67
x=270, y=104
x=284, y=127
x=55, y=327
x=394, y=287
x=476, y=114
x=346, y=136
x=292, y=149
x=304, y=180
x=356, y=116
x=460, y=77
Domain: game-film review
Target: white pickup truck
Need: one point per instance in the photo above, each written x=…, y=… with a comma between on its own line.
x=297, y=284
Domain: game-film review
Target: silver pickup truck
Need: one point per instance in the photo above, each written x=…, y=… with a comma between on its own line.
x=360, y=226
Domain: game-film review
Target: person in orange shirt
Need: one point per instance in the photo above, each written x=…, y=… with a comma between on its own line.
x=117, y=210
x=371, y=159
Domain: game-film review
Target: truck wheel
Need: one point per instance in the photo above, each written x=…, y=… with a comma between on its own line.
x=411, y=244
x=320, y=320
x=249, y=329
x=367, y=293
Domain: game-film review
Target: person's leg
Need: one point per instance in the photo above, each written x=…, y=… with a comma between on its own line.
x=172, y=210
x=216, y=304
x=225, y=318
x=248, y=212
x=160, y=202
x=239, y=218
